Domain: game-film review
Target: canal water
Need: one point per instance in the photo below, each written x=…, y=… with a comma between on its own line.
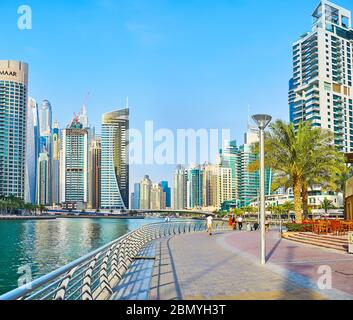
x=45, y=245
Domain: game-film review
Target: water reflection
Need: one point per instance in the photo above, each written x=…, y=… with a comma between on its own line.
x=47, y=245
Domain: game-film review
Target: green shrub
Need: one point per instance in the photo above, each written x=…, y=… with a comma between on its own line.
x=295, y=227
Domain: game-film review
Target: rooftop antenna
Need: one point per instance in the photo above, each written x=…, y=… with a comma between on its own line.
x=249, y=117
x=127, y=103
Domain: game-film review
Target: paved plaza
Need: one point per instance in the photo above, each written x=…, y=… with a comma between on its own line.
x=226, y=266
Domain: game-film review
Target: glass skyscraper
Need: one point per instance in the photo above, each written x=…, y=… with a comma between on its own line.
x=13, y=112
x=115, y=160
x=32, y=151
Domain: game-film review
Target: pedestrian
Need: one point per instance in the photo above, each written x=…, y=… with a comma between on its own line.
x=267, y=225
x=234, y=223
x=209, y=221
x=256, y=226
x=240, y=222
x=230, y=221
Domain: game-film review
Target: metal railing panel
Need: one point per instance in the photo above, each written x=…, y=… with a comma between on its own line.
x=94, y=275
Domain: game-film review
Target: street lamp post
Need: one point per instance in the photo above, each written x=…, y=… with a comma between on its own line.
x=262, y=121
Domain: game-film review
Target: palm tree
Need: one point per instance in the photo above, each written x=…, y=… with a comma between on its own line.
x=328, y=166
x=301, y=157
x=326, y=205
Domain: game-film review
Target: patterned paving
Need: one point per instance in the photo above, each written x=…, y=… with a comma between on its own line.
x=197, y=267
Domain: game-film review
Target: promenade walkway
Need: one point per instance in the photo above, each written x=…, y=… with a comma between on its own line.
x=226, y=266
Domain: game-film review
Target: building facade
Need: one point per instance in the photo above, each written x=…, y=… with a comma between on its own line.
x=32, y=151
x=179, y=188
x=135, y=197
x=168, y=194
x=210, y=185
x=13, y=127
x=55, y=164
x=74, y=166
x=145, y=193
x=95, y=153
x=115, y=160
x=321, y=89
x=43, y=174
x=194, y=187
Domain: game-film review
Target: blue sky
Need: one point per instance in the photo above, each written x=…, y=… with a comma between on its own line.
x=183, y=63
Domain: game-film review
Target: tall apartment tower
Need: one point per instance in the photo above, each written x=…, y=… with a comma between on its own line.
x=13, y=129
x=32, y=151
x=135, y=203
x=55, y=164
x=321, y=89
x=158, y=197
x=115, y=160
x=95, y=153
x=74, y=166
x=194, y=187
x=179, y=188
x=145, y=193
x=210, y=185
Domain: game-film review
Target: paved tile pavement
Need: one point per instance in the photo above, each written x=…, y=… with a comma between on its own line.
x=296, y=261
x=197, y=266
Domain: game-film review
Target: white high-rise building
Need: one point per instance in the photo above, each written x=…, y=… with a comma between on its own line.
x=115, y=160
x=32, y=152
x=180, y=188
x=74, y=166
x=13, y=131
x=321, y=89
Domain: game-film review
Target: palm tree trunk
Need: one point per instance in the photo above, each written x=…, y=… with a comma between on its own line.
x=305, y=200
x=297, y=199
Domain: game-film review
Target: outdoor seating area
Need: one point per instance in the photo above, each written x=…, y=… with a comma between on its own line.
x=331, y=227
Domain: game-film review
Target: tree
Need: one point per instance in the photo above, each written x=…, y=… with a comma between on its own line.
x=326, y=205
x=301, y=156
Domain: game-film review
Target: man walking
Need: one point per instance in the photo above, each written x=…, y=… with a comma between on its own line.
x=240, y=222
x=209, y=221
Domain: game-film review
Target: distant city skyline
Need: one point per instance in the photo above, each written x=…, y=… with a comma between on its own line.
x=159, y=54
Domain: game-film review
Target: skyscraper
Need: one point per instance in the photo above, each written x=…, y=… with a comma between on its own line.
x=229, y=157
x=45, y=126
x=95, y=152
x=32, y=151
x=179, y=188
x=136, y=197
x=43, y=174
x=145, y=193
x=55, y=164
x=157, y=197
x=194, y=187
x=237, y=160
x=74, y=166
x=321, y=89
x=115, y=160
x=210, y=185
x=168, y=193
x=13, y=129
x=224, y=185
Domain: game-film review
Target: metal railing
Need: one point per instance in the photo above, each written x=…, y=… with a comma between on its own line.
x=94, y=276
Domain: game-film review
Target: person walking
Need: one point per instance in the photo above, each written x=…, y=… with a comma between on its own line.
x=234, y=223
x=209, y=221
x=240, y=222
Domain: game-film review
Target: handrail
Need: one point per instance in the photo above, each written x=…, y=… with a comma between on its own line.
x=95, y=275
